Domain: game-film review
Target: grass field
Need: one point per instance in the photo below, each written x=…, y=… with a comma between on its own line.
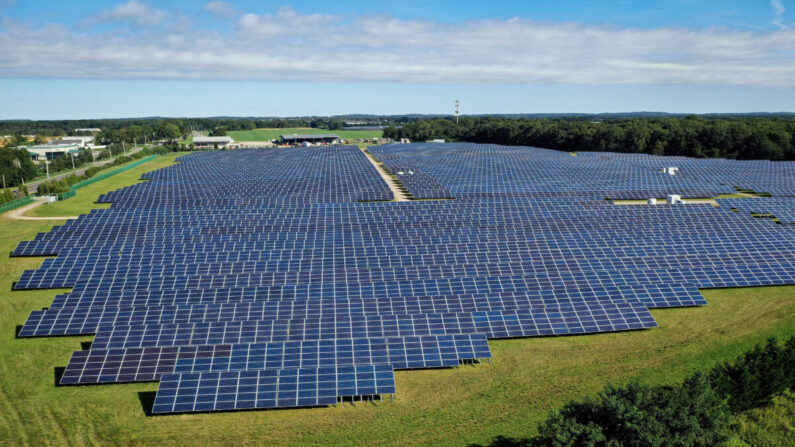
x=270, y=134
x=773, y=426
x=470, y=404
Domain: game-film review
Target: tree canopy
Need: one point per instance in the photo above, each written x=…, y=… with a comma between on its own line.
x=738, y=138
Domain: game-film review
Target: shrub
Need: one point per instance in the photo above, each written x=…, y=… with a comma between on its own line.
x=755, y=377
x=92, y=171
x=692, y=414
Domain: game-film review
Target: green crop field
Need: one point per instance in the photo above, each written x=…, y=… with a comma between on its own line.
x=461, y=406
x=271, y=134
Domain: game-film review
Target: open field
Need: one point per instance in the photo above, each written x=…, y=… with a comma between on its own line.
x=270, y=134
x=470, y=404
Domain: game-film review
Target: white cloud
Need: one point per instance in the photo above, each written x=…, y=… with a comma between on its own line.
x=778, y=10
x=288, y=45
x=222, y=9
x=131, y=11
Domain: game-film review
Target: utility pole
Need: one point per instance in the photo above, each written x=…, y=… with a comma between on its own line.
x=72, y=156
x=457, y=104
x=122, y=147
x=47, y=166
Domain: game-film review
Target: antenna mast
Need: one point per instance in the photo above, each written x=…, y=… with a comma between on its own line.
x=457, y=104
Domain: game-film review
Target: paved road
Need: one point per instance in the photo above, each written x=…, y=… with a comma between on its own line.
x=33, y=186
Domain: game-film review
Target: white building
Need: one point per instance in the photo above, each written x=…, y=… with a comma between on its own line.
x=212, y=142
x=89, y=129
x=80, y=141
x=51, y=151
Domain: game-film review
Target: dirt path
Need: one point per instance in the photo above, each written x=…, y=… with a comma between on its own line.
x=396, y=192
x=19, y=213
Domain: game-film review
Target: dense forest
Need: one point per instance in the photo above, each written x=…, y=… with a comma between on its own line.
x=727, y=137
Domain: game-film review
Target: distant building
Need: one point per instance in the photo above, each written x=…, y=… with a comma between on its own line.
x=320, y=138
x=89, y=129
x=212, y=142
x=51, y=151
x=80, y=141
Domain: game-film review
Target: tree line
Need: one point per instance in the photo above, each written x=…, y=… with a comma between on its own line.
x=697, y=412
x=692, y=136
x=117, y=130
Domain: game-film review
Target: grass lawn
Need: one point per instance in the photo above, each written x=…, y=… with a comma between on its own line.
x=469, y=404
x=270, y=134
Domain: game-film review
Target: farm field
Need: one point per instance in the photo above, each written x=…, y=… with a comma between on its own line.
x=270, y=134
x=461, y=406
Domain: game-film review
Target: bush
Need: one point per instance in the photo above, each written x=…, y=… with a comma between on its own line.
x=696, y=413
x=692, y=414
x=53, y=187
x=6, y=196
x=754, y=378
x=90, y=172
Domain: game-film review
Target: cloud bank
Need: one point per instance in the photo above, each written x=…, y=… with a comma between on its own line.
x=287, y=45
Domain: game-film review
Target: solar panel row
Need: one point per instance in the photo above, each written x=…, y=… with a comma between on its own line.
x=235, y=277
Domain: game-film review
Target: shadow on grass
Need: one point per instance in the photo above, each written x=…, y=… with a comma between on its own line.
x=58, y=373
x=502, y=441
x=147, y=399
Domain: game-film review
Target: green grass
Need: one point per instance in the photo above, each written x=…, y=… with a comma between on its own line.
x=270, y=134
x=772, y=426
x=469, y=404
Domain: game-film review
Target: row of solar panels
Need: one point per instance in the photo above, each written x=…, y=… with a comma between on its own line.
x=248, y=279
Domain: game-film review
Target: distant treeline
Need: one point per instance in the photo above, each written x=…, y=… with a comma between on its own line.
x=726, y=137
x=184, y=126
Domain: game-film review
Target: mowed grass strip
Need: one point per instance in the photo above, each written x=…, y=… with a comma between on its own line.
x=271, y=134
x=469, y=404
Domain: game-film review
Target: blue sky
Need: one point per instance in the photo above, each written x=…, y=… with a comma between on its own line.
x=84, y=59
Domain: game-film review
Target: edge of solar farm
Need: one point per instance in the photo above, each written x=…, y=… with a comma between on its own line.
x=257, y=315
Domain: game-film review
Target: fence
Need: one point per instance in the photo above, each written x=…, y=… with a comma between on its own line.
x=99, y=177
x=14, y=204
x=73, y=190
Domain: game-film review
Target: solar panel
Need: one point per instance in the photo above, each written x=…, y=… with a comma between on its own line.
x=247, y=390
x=121, y=365
x=294, y=259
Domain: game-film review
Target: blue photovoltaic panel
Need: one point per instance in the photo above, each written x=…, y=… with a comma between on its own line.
x=252, y=260
x=495, y=324
x=247, y=390
x=149, y=364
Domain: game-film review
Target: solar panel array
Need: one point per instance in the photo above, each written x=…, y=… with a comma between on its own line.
x=268, y=278
x=781, y=208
